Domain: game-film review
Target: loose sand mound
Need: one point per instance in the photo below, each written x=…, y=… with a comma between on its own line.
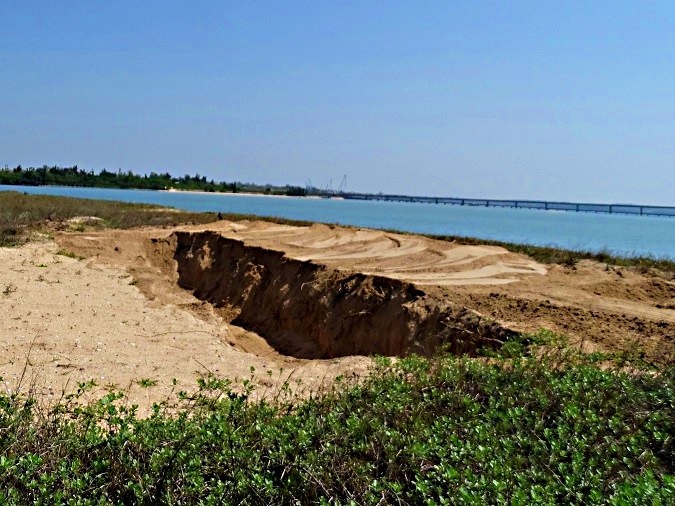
x=160, y=304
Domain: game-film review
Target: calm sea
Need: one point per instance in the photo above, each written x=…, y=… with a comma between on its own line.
x=625, y=235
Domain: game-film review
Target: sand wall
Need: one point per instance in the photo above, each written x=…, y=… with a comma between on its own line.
x=307, y=310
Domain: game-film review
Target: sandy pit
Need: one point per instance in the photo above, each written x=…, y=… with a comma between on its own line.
x=147, y=306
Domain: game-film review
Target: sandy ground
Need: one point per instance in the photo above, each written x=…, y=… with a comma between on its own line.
x=117, y=317
x=65, y=321
x=601, y=307
x=410, y=258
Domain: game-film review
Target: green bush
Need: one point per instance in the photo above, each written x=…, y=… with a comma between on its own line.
x=446, y=430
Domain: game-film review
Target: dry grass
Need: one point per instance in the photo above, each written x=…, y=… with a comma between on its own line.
x=21, y=215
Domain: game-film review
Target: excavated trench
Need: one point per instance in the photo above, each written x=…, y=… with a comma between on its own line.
x=307, y=310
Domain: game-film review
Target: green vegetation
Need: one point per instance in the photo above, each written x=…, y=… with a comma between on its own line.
x=445, y=430
x=147, y=383
x=73, y=176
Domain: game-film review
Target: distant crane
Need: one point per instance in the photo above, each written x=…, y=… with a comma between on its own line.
x=327, y=190
x=343, y=184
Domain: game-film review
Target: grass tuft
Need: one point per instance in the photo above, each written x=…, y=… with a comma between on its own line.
x=69, y=254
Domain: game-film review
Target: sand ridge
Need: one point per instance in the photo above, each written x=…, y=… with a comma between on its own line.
x=411, y=258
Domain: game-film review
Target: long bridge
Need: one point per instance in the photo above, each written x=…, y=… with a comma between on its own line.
x=544, y=205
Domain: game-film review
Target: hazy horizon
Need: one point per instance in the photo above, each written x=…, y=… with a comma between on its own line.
x=521, y=100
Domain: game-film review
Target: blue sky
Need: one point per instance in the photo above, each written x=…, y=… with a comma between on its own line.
x=551, y=100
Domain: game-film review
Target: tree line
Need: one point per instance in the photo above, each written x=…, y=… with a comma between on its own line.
x=74, y=176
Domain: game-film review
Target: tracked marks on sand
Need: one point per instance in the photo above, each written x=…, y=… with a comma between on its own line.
x=404, y=257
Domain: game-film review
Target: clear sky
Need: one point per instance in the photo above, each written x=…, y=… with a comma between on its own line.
x=551, y=100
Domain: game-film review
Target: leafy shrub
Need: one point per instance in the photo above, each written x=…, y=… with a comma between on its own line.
x=446, y=430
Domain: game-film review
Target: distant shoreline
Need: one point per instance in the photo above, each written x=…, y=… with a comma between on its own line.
x=241, y=194
x=543, y=205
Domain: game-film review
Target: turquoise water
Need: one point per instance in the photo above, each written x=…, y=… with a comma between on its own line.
x=625, y=235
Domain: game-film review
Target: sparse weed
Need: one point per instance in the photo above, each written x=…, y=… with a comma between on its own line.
x=69, y=254
x=147, y=383
x=9, y=289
